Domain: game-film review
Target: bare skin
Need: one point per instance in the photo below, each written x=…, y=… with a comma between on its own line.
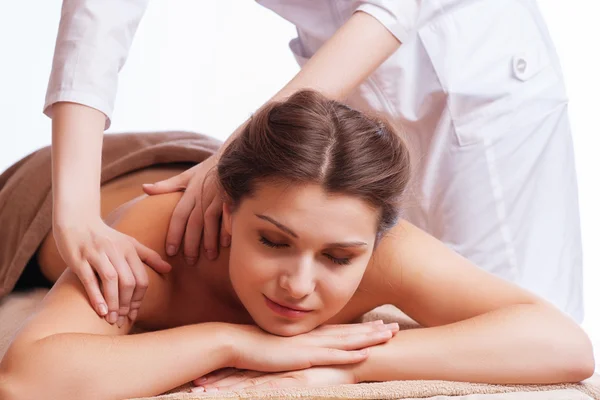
x=199, y=323
x=112, y=195
x=205, y=283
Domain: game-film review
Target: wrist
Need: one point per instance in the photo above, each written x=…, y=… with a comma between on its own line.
x=228, y=342
x=367, y=370
x=68, y=218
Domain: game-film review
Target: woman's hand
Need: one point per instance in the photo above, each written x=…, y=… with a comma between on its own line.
x=234, y=379
x=255, y=349
x=199, y=210
x=92, y=250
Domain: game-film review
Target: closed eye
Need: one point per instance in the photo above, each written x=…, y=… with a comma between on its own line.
x=268, y=243
x=335, y=260
x=339, y=261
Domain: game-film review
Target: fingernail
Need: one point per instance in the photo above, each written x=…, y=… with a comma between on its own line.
x=198, y=389
x=112, y=318
x=133, y=315
x=209, y=390
x=393, y=325
x=103, y=309
x=190, y=260
x=171, y=250
x=211, y=254
x=120, y=321
x=226, y=241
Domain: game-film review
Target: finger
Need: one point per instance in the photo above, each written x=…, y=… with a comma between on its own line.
x=110, y=284
x=141, y=284
x=225, y=239
x=353, y=341
x=261, y=382
x=178, y=222
x=173, y=184
x=193, y=232
x=357, y=341
x=236, y=379
x=282, y=382
x=349, y=328
x=212, y=224
x=215, y=376
x=92, y=288
x=323, y=356
x=126, y=280
x=151, y=258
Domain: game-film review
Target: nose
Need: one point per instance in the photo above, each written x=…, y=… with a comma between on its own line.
x=299, y=280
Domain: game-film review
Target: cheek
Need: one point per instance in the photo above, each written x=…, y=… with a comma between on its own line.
x=339, y=286
x=247, y=266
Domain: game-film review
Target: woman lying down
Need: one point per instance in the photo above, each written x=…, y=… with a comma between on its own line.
x=311, y=189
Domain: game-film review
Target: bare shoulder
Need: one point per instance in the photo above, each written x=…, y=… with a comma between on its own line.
x=432, y=283
x=147, y=219
x=66, y=308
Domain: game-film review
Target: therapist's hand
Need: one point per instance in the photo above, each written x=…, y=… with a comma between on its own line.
x=93, y=250
x=197, y=216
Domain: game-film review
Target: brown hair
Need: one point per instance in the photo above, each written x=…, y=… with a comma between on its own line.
x=311, y=139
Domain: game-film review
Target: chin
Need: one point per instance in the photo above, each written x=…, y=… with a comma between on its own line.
x=282, y=327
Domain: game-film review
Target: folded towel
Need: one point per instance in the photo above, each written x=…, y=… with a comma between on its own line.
x=26, y=196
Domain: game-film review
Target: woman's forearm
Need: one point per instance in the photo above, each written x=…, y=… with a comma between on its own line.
x=77, y=133
x=75, y=365
x=353, y=53
x=521, y=344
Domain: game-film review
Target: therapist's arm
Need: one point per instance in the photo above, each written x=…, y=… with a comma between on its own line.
x=357, y=49
x=353, y=53
x=93, y=41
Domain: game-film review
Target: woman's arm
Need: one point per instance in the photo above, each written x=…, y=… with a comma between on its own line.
x=479, y=327
x=65, y=350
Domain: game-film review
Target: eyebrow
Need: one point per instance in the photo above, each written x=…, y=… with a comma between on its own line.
x=292, y=233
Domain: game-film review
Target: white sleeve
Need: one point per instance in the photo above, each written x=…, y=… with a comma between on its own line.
x=398, y=16
x=94, y=38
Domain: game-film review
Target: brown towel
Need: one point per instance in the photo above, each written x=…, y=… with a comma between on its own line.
x=26, y=197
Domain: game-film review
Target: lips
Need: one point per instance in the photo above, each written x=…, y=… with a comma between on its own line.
x=285, y=309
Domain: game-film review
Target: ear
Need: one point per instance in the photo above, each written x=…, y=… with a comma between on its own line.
x=227, y=210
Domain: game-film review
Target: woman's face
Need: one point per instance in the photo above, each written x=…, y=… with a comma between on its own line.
x=298, y=254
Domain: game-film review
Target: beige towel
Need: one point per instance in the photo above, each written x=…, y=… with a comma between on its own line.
x=26, y=197
x=15, y=308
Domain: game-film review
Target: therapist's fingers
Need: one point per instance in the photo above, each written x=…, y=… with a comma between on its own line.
x=141, y=285
x=125, y=281
x=212, y=223
x=225, y=237
x=174, y=184
x=110, y=283
x=193, y=234
x=179, y=219
x=90, y=283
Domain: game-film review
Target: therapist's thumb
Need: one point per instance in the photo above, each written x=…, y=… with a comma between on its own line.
x=177, y=183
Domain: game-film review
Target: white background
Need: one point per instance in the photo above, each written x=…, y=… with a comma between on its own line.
x=206, y=65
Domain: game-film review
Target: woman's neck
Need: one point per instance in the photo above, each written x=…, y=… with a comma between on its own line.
x=208, y=282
